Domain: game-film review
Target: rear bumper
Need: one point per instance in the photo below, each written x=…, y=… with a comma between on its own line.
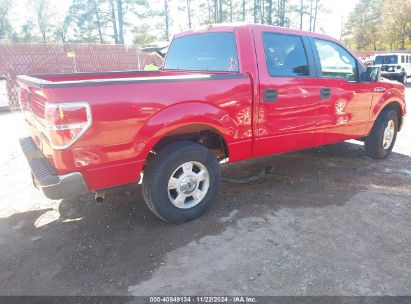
x=45, y=177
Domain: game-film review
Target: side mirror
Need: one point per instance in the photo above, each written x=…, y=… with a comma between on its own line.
x=372, y=74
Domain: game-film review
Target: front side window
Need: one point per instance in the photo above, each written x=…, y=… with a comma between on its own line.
x=285, y=55
x=335, y=61
x=203, y=52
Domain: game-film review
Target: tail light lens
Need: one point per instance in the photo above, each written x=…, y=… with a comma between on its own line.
x=66, y=122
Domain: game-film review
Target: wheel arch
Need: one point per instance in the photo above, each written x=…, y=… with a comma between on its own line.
x=203, y=134
x=196, y=121
x=395, y=106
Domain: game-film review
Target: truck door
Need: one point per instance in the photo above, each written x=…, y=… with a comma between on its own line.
x=344, y=105
x=288, y=92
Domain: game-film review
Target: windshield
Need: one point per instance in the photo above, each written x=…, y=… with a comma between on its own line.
x=386, y=59
x=203, y=52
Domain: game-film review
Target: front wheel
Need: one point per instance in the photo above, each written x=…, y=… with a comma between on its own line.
x=181, y=181
x=383, y=135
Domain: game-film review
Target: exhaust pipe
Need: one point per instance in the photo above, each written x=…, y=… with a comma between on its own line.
x=99, y=196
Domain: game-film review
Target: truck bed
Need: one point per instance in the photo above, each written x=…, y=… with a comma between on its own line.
x=129, y=111
x=78, y=79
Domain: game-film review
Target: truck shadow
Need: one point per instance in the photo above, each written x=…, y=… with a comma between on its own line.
x=93, y=249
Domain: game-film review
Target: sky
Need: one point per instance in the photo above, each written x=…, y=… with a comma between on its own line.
x=329, y=24
x=339, y=9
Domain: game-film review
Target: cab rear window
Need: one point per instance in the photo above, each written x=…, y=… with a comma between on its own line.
x=203, y=52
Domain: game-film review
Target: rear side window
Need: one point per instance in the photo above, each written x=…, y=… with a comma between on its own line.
x=285, y=55
x=335, y=61
x=203, y=52
x=402, y=59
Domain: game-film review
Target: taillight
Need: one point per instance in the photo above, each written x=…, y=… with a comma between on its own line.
x=66, y=122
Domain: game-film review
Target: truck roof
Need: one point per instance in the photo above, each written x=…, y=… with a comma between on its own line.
x=394, y=53
x=231, y=27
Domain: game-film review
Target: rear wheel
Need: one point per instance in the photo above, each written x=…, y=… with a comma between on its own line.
x=404, y=78
x=383, y=135
x=181, y=181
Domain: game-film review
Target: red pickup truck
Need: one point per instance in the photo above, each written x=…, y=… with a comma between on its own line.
x=226, y=93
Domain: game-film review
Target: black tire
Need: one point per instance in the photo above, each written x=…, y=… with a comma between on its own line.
x=373, y=144
x=162, y=166
x=404, y=78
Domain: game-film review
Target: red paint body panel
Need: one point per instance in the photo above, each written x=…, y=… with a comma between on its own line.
x=126, y=125
x=132, y=111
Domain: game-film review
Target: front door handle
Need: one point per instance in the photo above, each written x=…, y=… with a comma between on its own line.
x=270, y=95
x=379, y=89
x=325, y=93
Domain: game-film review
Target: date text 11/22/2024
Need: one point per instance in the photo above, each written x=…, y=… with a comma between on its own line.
x=203, y=299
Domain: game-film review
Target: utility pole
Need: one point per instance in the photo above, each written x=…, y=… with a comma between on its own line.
x=315, y=14
x=311, y=15
x=301, y=14
x=220, y=9
x=189, y=13
x=243, y=10
x=120, y=21
x=255, y=10
x=167, y=33
x=231, y=11
x=215, y=11
x=270, y=12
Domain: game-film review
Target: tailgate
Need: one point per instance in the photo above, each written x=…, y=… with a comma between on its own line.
x=32, y=102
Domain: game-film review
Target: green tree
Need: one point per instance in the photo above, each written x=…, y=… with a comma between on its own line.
x=396, y=27
x=142, y=35
x=189, y=13
x=281, y=16
x=27, y=32
x=111, y=21
x=103, y=21
x=166, y=14
x=61, y=31
x=85, y=22
x=270, y=12
x=302, y=9
x=362, y=30
x=5, y=27
x=44, y=17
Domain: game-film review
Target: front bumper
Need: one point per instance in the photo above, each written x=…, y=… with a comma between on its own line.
x=392, y=75
x=45, y=177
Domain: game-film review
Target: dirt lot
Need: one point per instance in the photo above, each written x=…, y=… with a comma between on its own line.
x=327, y=221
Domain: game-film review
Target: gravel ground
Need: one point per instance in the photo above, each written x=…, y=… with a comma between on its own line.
x=326, y=221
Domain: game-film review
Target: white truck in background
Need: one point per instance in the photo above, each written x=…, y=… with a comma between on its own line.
x=4, y=99
x=396, y=66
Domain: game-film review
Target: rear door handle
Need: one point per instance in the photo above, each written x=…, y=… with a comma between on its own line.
x=325, y=93
x=379, y=89
x=270, y=95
